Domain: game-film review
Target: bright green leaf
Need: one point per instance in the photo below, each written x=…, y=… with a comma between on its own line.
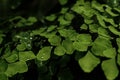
x=93, y=28
x=59, y=50
x=54, y=40
x=88, y=62
x=44, y=53
x=109, y=11
x=21, y=47
x=110, y=69
x=99, y=45
x=114, y=30
x=82, y=42
x=63, y=22
x=118, y=44
x=26, y=55
x=103, y=32
x=69, y=16
x=110, y=53
x=118, y=59
x=109, y=20
x=17, y=67
x=12, y=58
x=97, y=6
x=68, y=45
x=84, y=27
x=100, y=20
x=51, y=28
x=51, y=17
x=32, y=19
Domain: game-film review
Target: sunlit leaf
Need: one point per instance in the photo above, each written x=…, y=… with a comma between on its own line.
x=114, y=30
x=100, y=20
x=59, y=50
x=26, y=55
x=88, y=62
x=12, y=58
x=93, y=28
x=55, y=40
x=99, y=45
x=110, y=69
x=44, y=53
x=110, y=53
x=68, y=45
x=103, y=32
x=51, y=17
x=17, y=67
x=21, y=47
x=118, y=59
x=97, y=6
x=118, y=44
x=69, y=16
x=32, y=19
x=82, y=42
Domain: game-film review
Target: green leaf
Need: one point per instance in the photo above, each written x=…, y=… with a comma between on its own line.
x=21, y=47
x=63, y=2
x=99, y=45
x=82, y=42
x=51, y=28
x=109, y=20
x=59, y=50
x=110, y=53
x=88, y=62
x=118, y=59
x=44, y=53
x=110, y=69
x=84, y=27
x=51, y=17
x=13, y=57
x=113, y=30
x=71, y=34
x=101, y=21
x=109, y=11
x=55, y=40
x=63, y=22
x=3, y=76
x=118, y=44
x=69, y=16
x=103, y=32
x=3, y=65
x=93, y=28
x=68, y=45
x=26, y=55
x=97, y=6
x=32, y=19
x=17, y=67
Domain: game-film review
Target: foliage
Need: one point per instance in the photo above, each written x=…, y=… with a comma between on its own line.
x=86, y=31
